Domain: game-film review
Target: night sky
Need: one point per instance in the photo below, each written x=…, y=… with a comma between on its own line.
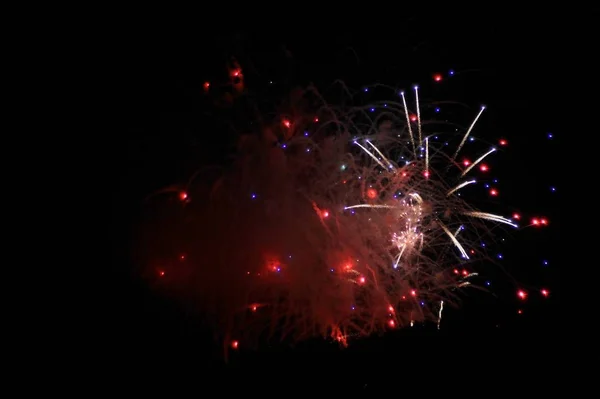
x=165, y=115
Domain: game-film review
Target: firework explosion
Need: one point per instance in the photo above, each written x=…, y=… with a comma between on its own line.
x=330, y=222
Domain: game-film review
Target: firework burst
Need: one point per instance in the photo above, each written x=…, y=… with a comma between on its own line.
x=333, y=221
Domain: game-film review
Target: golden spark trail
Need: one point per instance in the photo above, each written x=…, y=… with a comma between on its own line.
x=399, y=256
x=476, y=162
x=454, y=240
x=369, y=206
x=427, y=154
x=418, y=114
x=410, y=133
x=490, y=216
x=467, y=133
x=461, y=185
x=382, y=156
x=370, y=154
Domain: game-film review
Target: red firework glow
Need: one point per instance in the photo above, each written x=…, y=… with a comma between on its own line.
x=330, y=236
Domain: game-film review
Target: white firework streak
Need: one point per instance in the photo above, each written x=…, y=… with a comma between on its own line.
x=412, y=139
x=418, y=114
x=382, y=156
x=454, y=240
x=476, y=162
x=491, y=216
x=460, y=146
x=461, y=185
x=370, y=154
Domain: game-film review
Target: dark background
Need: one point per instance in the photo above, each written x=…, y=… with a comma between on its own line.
x=507, y=63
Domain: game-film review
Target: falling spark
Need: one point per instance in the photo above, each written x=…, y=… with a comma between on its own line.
x=369, y=206
x=460, y=146
x=458, y=230
x=370, y=154
x=461, y=185
x=379, y=152
x=477, y=161
x=440, y=314
x=410, y=133
x=418, y=113
x=454, y=240
x=491, y=216
x=427, y=154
